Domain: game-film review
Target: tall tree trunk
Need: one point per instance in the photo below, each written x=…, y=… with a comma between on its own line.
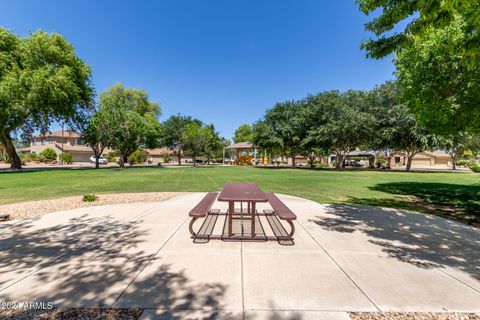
x=311, y=159
x=293, y=154
x=389, y=160
x=409, y=162
x=15, y=162
x=179, y=157
x=454, y=161
x=97, y=153
x=121, y=160
x=194, y=158
x=371, y=162
x=339, y=161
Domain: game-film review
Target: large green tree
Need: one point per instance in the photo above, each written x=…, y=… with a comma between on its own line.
x=422, y=15
x=41, y=81
x=129, y=119
x=440, y=86
x=243, y=133
x=342, y=123
x=283, y=127
x=97, y=132
x=215, y=144
x=195, y=140
x=383, y=100
x=457, y=144
x=407, y=135
x=172, y=132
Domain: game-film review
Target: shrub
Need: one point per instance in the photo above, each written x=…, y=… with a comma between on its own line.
x=381, y=163
x=23, y=158
x=475, y=167
x=462, y=162
x=167, y=159
x=112, y=157
x=66, y=157
x=137, y=156
x=4, y=157
x=319, y=164
x=49, y=155
x=89, y=198
x=468, y=154
x=31, y=156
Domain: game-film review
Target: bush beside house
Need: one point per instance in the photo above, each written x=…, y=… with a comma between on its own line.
x=66, y=157
x=48, y=155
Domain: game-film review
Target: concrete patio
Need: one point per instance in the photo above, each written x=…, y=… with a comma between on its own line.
x=345, y=258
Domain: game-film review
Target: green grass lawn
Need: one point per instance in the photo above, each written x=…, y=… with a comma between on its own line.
x=452, y=194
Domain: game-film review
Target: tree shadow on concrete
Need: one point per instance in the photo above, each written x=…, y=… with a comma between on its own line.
x=167, y=294
x=89, y=262
x=454, y=201
x=423, y=240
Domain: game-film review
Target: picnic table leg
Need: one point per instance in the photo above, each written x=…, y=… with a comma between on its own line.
x=292, y=230
x=231, y=208
x=253, y=219
x=190, y=227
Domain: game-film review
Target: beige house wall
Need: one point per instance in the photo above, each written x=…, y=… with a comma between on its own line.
x=38, y=144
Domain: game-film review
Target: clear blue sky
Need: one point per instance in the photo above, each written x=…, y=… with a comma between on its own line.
x=222, y=61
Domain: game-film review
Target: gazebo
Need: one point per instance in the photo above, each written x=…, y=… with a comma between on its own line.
x=239, y=148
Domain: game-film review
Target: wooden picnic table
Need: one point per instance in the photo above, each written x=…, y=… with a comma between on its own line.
x=242, y=192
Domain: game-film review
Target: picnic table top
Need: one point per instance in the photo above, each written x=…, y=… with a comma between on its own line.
x=242, y=191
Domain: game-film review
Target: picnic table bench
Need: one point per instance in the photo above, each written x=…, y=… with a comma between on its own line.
x=239, y=193
x=202, y=209
x=282, y=211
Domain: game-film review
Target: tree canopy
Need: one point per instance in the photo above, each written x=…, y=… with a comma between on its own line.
x=129, y=120
x=342, y=122
x=196, y=139
x=439, y=85
x=243, y=133
x=422, y=15
x=42, y=81
x=283, y=127
x=172, y=132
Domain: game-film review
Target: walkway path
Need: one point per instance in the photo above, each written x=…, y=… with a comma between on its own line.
x=346, y=258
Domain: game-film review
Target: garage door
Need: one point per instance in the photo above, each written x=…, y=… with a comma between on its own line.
x=442, y=161
x=81, y=157
x=421, y=162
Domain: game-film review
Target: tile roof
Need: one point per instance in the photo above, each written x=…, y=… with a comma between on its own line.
x=241, y=145
x=58, y=134
x=159, y=151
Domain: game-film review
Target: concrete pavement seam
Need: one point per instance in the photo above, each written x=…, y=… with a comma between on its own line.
x=453, y=277
x=148, y=262
x=241, y=277
x=338, y=265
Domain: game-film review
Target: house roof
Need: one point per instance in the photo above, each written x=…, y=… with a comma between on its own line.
x=358, y=153
x=241, y=145
x=58, y=134
x=69, y=148
x=432, y=154
x=158, y=151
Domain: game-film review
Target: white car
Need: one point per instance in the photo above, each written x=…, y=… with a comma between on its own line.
x=101, y=160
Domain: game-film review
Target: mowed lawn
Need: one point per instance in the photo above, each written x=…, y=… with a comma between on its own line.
x=452, y=194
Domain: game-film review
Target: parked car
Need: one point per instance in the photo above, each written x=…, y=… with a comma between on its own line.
x=101, y=160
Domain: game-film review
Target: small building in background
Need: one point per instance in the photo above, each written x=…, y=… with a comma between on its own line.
x=425, y=159
x=62, y=141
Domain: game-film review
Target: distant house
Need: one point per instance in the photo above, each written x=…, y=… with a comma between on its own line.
x=69, y=141
x=425, y=159
x=158, y=155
